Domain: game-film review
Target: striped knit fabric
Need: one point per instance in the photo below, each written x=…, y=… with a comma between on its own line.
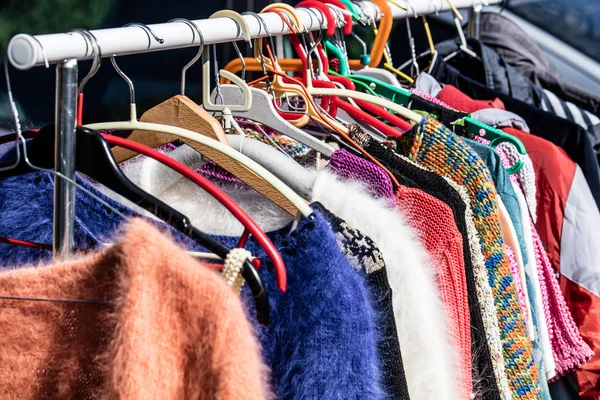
x=435, y=147
x=485, y=296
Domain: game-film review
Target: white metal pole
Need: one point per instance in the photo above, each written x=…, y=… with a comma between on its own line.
x=25, y=51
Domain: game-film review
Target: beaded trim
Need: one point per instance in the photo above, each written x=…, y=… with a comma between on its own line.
x=232, y=269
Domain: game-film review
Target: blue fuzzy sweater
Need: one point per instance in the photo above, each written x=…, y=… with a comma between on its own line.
x=322, y=340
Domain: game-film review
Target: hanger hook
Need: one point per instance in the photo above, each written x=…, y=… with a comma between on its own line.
x=149, y=32
x=96, y=52
x=261, y=22
x=187, y=66
x=314, y=43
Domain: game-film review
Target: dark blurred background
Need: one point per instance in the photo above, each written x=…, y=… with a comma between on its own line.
x=156, y=75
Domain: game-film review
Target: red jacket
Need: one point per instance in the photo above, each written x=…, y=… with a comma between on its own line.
x=568, y=222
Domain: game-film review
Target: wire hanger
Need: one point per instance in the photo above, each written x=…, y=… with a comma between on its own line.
x=274, y=189
x=95, y=160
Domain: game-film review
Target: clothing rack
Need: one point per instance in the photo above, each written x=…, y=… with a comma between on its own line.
x=26, y=51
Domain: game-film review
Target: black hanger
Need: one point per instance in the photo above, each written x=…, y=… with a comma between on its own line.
x=94, y=158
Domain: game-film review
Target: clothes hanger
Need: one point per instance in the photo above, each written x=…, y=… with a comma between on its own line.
x=97, y=61
x=309, y=89
x=280, y=83
x=256, y=177
x=262, y=109
x=305, y=92
x=179, y=111
x=95, y=160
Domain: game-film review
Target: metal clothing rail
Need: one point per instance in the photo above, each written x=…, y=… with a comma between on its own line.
x=26, y=51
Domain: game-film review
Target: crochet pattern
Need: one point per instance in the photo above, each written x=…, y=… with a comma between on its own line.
x=348, y=166
x=434, y=146
x=485, y=296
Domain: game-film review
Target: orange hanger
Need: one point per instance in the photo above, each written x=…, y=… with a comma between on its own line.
x=383, y=32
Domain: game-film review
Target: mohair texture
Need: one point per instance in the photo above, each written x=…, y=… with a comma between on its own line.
x=173, y=328
x=435, y=147
x=322, y=340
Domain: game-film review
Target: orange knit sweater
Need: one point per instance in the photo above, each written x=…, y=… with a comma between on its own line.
x=434, y=223
x=172, y=328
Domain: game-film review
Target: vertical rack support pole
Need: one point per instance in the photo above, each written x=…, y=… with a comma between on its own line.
x=64, y=157
x=473, y=27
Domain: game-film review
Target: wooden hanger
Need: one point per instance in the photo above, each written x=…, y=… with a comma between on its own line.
x=260, y=179
x=179, y=111
x=155, y=129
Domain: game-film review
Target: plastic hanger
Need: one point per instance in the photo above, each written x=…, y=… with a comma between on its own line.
x=305, y=92
x=264, y=112
x=281, y=84
x=281, y=88
x=179, y=111
x=207, y=102
x=95, y=160
x=257, y=177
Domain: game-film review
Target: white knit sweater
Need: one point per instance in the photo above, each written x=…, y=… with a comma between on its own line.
x=419, y=313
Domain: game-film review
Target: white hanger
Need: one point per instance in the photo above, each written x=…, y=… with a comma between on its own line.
x=207, y=103
x=133, y=124
x=263, y=111
x=398, y=109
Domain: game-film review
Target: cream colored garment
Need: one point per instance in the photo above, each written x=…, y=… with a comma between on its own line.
x=544, y=337
x=422, y=328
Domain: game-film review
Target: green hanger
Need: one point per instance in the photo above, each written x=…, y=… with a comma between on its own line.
x=364, y=86
x=402, y=97
x=496, y=136
x=355, y=16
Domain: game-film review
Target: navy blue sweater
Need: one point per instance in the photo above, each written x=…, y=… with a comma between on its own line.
x=322, y=339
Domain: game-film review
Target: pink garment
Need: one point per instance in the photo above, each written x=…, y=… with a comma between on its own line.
x=433, y=221
x=514, y=268
x=428, y=97
x=350, y=167
x=568, y=347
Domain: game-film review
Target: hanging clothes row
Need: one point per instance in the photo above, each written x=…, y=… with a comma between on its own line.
x=333, y=229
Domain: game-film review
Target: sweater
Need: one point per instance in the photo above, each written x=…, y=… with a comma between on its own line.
x=364, y=255
x=414, y=176
x=426, y=352
x=166, y=327
x=433, y=222
x=485, y=299
x=567, y=223
x=433, y=146
x=317, y=350
x=350, y=167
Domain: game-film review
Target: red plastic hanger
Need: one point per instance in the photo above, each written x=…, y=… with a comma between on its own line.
x=249, y=224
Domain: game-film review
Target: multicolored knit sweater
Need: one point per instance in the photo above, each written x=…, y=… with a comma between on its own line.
x=437, y=148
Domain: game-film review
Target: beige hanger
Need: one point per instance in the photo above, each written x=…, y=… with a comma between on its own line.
x=179, y=111
x=202, y=137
